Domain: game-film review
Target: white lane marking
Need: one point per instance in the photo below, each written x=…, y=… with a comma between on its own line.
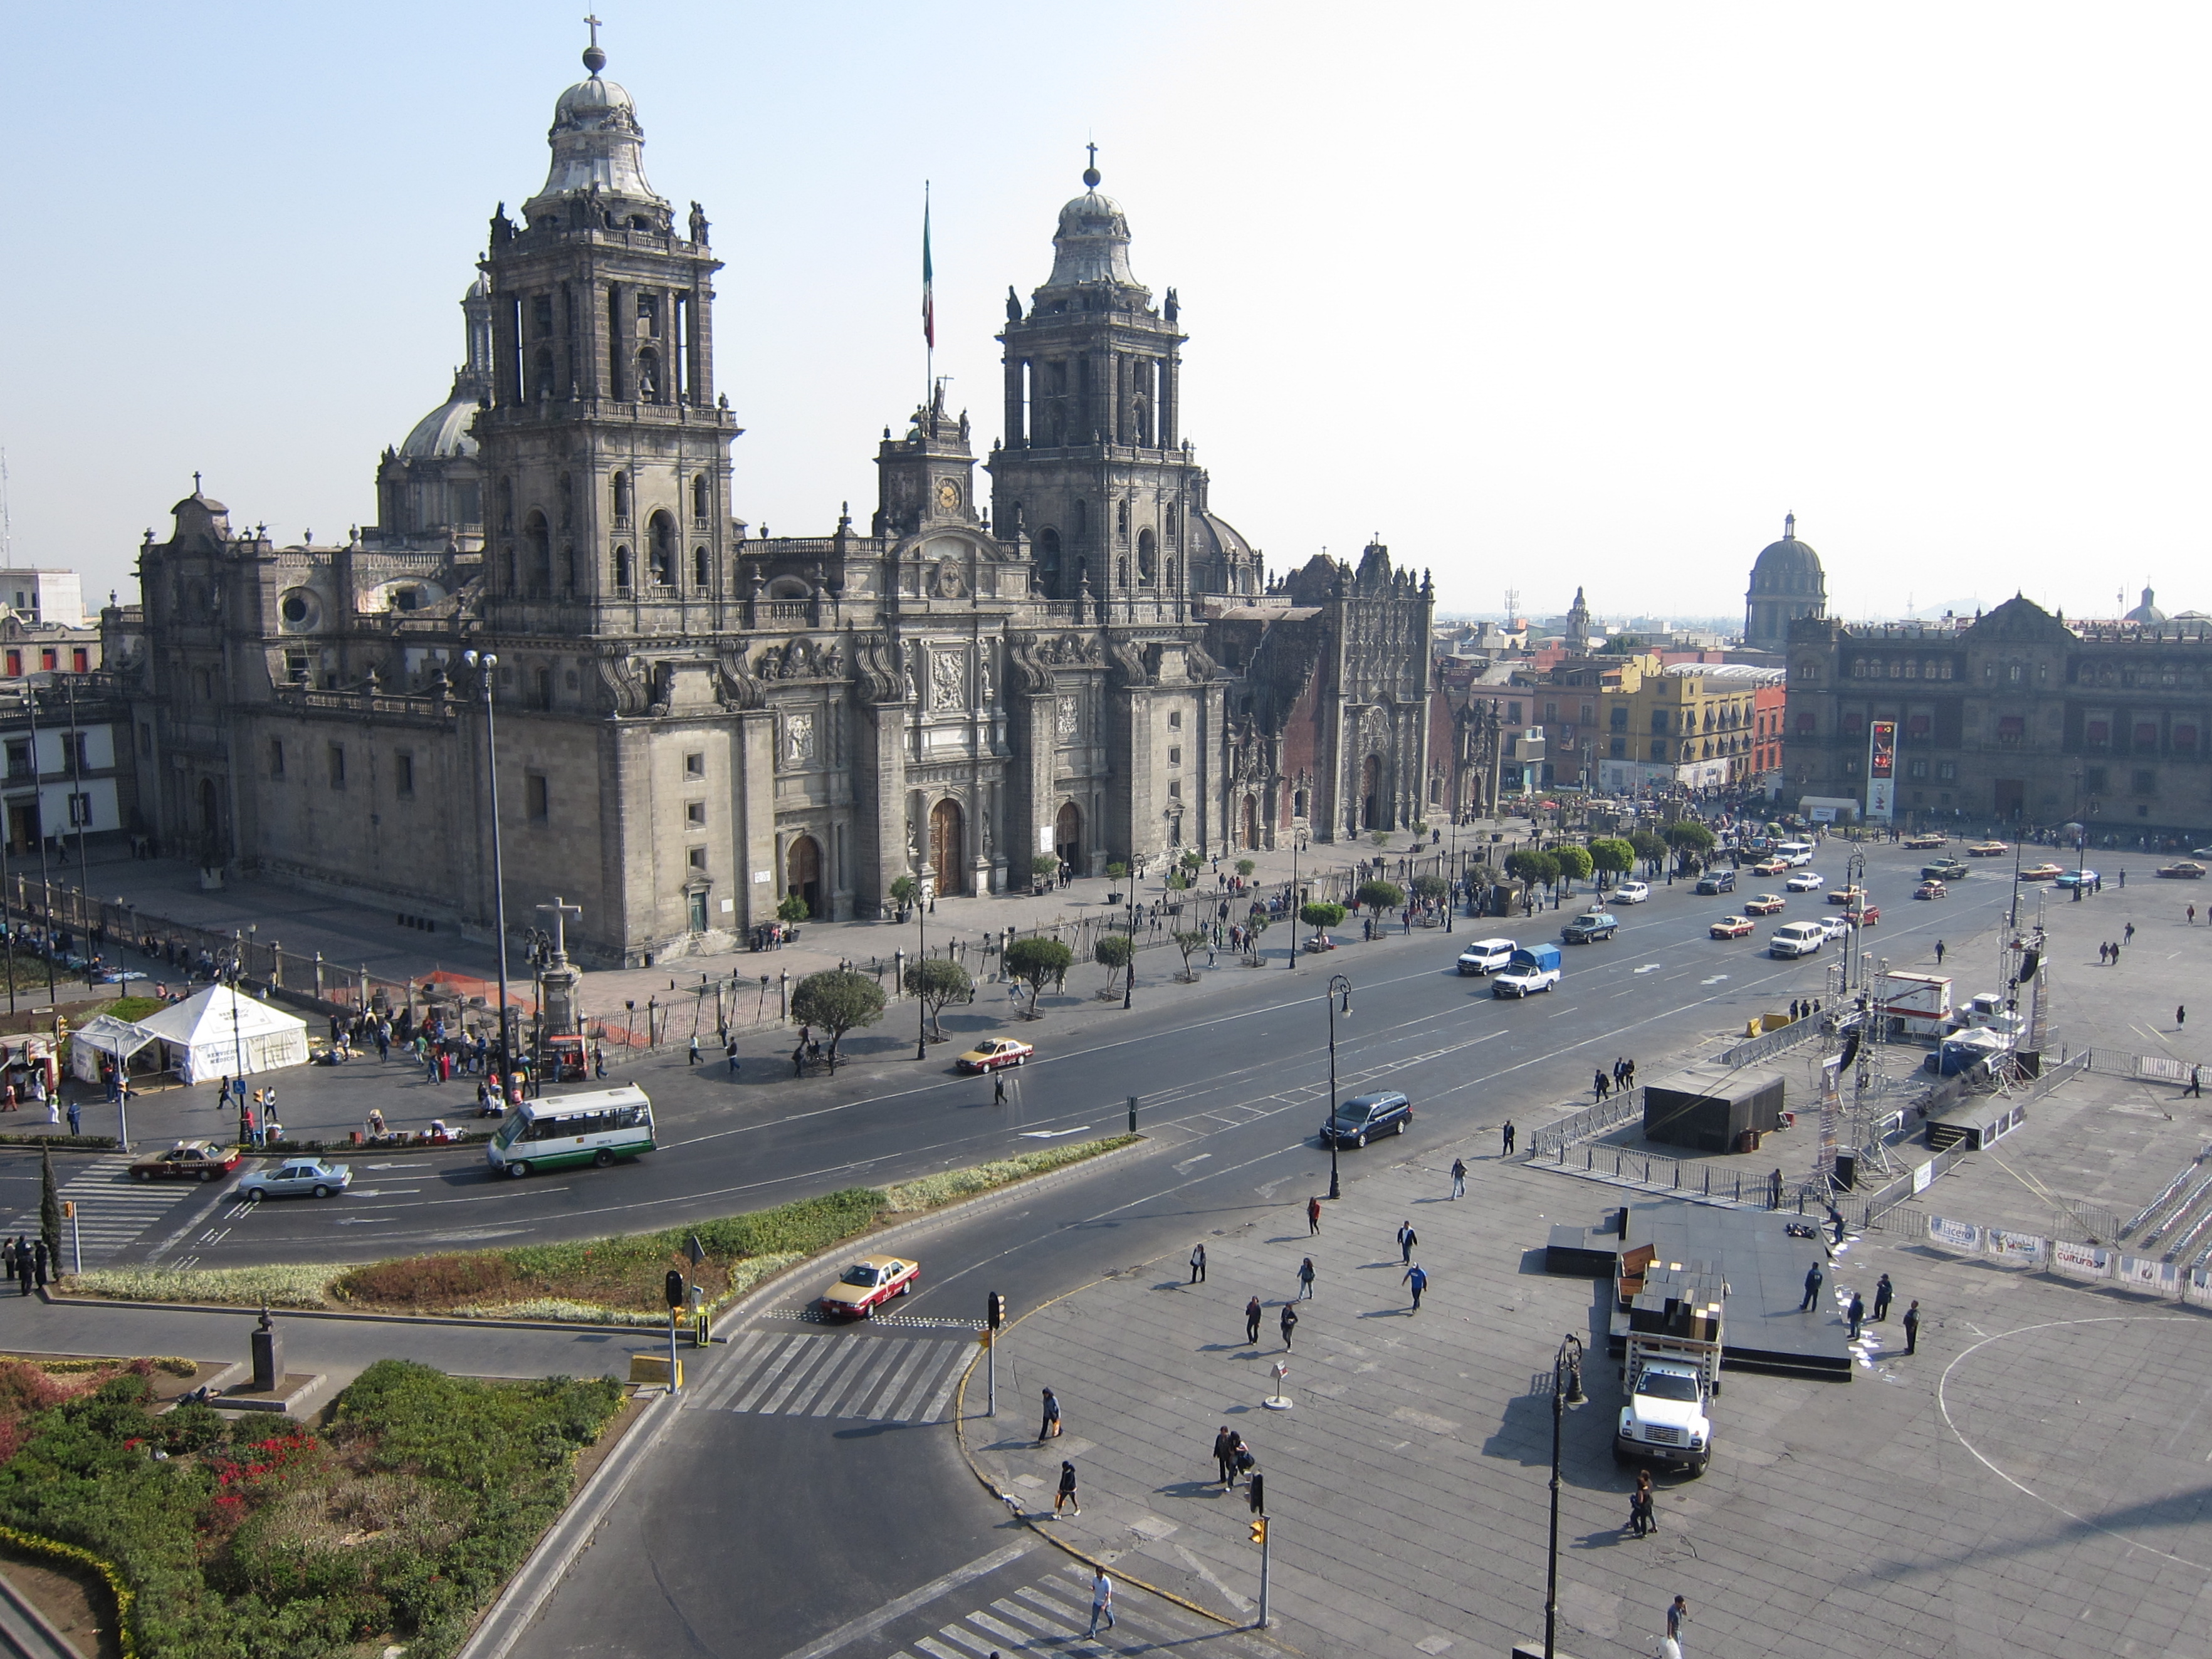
x=1717, y=979
x=869, y=1623
x=1649, y=967
x=1190, y=1164
x=1052, y=1134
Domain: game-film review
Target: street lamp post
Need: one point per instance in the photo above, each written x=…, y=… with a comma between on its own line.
x=1297, y=840
x=1566, y=1391
x=486, y=662
x=1339, y=988
x=1129, y=972
x=920, y=955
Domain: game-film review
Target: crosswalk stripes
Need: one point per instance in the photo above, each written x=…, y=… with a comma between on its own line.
x=883, y=1379
x=113, y=1210
x=1053, y=1616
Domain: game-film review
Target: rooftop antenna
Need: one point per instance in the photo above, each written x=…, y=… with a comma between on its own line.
x=1512, y=604
x=7, y=523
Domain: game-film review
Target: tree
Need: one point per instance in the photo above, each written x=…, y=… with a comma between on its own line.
x=1044, y=869
x=1649, y=848
x=1116, y=871
x=1380, y=837
x=1320, y=916
x=794, y=909
x=1691, y=841
x=1191, y=860
x=1575, y=862
x=1189, y=942
x=1245, y=867
x=50, y=1209
x=1613, y=855
x=1381, y=896
x=1430, y=889
x=1178, y=879
x=1536, y=869
x=1033, y=961
x=1112, y=952
x=938, y=981
x=904, y=891
x=838, y=1000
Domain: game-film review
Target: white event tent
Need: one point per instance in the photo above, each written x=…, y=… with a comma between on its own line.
x=215, y=1032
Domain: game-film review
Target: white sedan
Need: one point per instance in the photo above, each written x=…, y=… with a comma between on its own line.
x=1630, y=892
x=1805, y=881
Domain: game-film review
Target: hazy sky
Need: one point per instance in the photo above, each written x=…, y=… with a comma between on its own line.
x=1545, y=294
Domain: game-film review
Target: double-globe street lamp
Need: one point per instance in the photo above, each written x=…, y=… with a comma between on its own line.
x=1566, y=1391
x=485, y=663
x=1340, y=989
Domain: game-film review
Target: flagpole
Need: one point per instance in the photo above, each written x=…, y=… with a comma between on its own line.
x=928, y=312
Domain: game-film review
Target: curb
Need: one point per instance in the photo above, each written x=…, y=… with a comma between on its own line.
x=547, y=1565
x=340, y=1313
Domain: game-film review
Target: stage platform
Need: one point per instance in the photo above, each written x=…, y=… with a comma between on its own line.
x=1764, y=1267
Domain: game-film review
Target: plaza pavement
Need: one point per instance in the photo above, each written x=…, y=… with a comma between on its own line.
x=2031, y=1482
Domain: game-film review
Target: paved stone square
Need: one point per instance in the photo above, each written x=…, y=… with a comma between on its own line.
x=2029, y=1482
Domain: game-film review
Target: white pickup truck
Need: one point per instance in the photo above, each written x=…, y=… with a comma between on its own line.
x=1486, y=955
x=1528, y=971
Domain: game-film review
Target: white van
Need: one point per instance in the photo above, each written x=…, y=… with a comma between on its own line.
x=1797, y=938
x=1798, y=852
x=1486, y=955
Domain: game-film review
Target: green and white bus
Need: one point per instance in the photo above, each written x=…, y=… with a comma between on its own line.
x=596, y=1128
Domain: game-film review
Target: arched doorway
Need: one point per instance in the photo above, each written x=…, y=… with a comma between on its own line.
x=1370, y=794
x=948, y=841
x=1067, y=836
x=1251, y=839
x=802, y=872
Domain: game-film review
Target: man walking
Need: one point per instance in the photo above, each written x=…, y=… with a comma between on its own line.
x=76, y=1127
x=1598, y=1084
x=1305, y=1279
x=2180, y=1016
x=1313, y=1216
x=691, y=1055
x=1418, y=1280
x=1459, y=1176
x=1856, y=1313
x=730, y=1054
x=1508, y=1138
x=1912, y=1328
x=1224, y=1457
x=1290, y=1324
x=1678, y=1613
x=998, y=1088
x=1881, y=1295
x=1252, y=1321
x=1198, y=1263
x=1812, y=1287
x=1939, y=953
x=1405, y=1242
x=1051, y=1425
x=1101, y=1603
x=2196, y=1087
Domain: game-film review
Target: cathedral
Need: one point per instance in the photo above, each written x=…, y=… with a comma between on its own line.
x=560, y=624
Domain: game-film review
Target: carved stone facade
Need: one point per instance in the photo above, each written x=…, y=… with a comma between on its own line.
x=692, y=722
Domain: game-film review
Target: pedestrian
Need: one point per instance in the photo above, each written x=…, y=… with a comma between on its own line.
x=1629, y=1077
x=76, y=1127
x=2124, y=883
x=1102, y=1599
x=1642, y=1516
x=1882, y=1292
x=8, y=1256
x=1066, y=1493
x=38, y=1261
x=1305, y=1279
x=22, y=1266
x=1051, y=1425
x=1856, y=1313
x=1912, y=1328
x=223, y=1098
x=1290, y=1322
x=1678, y=1613
x=691, y=1055
x=730, y=1054
x=599, y=1061
x=1459, y=1178
x=1405, y=1242
x=2180, y=1015
x=1598, y=1083
x=1224, y=1457
x=1812, y=1287
x=1418, y=1280
x=998, y=1092
x=1252, y=1321
x=2128, y=934
x=799, y=1060
x=2196, y=1087
x=1198, y=1263
x=1313, y=1216
x=1508, y=1134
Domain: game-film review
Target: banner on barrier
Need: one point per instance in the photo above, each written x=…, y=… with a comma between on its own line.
x=2146, y=1274
x=1923, y=1175
x=2081, y=1260
x=2021, y=1250
x=1959, y=1235
x=2198, y=1288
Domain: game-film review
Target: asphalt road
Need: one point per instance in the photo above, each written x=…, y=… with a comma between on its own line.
x=1239, y=1063
x=1233, y=1102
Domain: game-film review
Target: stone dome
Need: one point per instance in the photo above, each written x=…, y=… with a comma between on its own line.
x=443, y=432
x=2147, y=611
x=1787, y=565
x=1091, y=243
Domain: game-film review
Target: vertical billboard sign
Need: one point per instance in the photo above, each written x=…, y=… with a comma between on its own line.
x=1881, y=770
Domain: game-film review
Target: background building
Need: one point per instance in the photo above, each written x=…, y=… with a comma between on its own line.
x=1787, y=583
x=1690, y=726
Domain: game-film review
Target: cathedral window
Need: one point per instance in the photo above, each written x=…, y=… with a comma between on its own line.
x=663, y=532
x=649, y=316
x=1121, y=573
x=541, y=316
x=568, y=569
x=540, y=537
x=702, y=496
x=622, y=570
x=506, y=503
x=621, y=497
x=648, y=377
x=1174, y=514
x=568, y=501
x=542, y=373
x=701, y=569
x=1147, y=554
x=1121, y=519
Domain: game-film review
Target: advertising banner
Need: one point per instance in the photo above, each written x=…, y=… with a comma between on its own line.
x=1881, y=770
x=1924, y=1177
x=2147, y=1274
x=2198, y=1289
x=2019, y=1250
x=2081, y=1261
x=1959, y=1235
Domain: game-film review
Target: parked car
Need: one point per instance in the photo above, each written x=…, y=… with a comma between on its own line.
x=1805, y=881
x=1633, y=892
x=188, y=1160
x=1931, y=889
x=1988, y=849
x=1363, y=1117
x=1764, y=904
x=1732, y=927
x=2182, y=871
x=1486, y=955
x=1590, y=925
x=298, y=1177
x=1717, y=881
x=2076, y=879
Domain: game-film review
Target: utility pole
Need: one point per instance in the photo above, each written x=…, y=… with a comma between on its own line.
x=1259, y=1530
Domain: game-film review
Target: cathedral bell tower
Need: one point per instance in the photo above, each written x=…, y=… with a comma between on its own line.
x=605, y=452
x=1093, y=465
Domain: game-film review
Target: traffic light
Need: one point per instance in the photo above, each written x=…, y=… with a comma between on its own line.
x=674, y=1288
x=997, y=1312
x=1259, y=1496
x=1259, y=1529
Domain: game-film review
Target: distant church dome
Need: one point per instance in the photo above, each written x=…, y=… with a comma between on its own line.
x=1092, y=244
x=1787, y=582
x=2146, y=612
x=442, y=432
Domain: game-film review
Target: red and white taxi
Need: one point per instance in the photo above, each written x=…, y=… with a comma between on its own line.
x=867, y=1285
x=992, y=1053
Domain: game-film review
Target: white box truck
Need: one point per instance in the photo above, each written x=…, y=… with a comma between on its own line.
x=1916, y=1004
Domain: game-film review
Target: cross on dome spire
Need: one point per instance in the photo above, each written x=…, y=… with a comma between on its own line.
x=1091, y=174
x=594, y=59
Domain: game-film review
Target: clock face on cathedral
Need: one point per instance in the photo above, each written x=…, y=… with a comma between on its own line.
x=948, y=495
